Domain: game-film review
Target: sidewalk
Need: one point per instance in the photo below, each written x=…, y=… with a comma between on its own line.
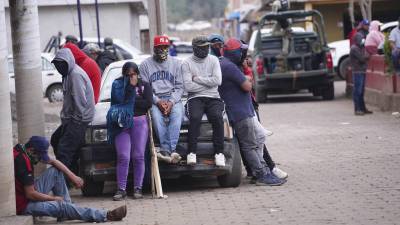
x=342, y=169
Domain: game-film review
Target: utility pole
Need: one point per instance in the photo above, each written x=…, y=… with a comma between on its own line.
x=7, y=189
x=157, y=19
x=28, y=69
x=78, y=7
x=97, y=22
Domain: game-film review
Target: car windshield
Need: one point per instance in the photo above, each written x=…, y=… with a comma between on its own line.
x=105, y=92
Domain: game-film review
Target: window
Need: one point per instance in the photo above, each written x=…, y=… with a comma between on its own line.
x=46, y=65
x=10, y=66
x=105, y=92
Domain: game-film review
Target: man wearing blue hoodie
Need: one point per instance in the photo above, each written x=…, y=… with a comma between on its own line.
x=164, y=74
x=77, y=110
x=235, y=91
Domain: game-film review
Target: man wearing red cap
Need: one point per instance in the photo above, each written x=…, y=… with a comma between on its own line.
x=32, y=195
x=165, y=76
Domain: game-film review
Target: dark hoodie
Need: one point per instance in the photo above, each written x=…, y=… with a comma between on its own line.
x=358, y=55
x=89, y=66
x=78, y=103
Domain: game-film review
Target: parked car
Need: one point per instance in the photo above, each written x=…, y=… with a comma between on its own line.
x=98, y=158
x=126, y=49
x=51, y=79
x=184, y=49
x=306, y=62
x=340, y=51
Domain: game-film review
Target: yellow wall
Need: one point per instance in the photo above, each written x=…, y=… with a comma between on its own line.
x=333, y=17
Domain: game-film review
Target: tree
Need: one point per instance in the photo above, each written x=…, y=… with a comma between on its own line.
x=365, y=8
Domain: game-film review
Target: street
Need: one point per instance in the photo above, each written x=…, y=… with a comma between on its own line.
x=342, y=169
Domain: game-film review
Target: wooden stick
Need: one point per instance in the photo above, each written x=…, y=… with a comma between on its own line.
x=155, y=173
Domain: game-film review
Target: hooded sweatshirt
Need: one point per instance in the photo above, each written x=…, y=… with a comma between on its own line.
x=165, y=78
x=374, y=37
x=89, y=66
x=207, y=74
x=358, y=56
x=78, y=104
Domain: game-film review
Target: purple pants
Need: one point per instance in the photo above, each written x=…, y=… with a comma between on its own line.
x=131, y=143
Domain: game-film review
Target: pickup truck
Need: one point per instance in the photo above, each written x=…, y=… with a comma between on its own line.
x=288, y=60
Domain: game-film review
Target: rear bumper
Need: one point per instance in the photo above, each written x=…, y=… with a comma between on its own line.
x=97, y=162
x=295, y=80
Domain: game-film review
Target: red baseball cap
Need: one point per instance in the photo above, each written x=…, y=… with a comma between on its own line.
x=233, y=44
x=161, y=40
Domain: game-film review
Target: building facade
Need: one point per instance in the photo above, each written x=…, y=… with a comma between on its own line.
x=118, y=19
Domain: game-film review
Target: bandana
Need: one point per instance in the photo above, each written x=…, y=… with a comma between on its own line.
x=201, y=51
x=160, y=54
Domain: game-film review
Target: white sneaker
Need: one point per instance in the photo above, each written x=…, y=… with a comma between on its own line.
x=279, y=173
x=219, y=159
x=191, y=159
x=175, y=157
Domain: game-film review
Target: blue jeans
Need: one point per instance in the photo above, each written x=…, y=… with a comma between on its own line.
x=53, y=180
x=396, y=58
x=168, y=128
x=358, y=91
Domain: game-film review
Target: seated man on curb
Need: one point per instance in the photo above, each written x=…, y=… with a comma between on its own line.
x=201, y=78
x=32, y=195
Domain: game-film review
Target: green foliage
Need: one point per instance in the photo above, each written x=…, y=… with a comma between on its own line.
x=180, y=10
x=387, y=51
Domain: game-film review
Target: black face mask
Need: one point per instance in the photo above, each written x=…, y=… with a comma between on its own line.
x=62, y=67
x=216, y=51
x=160, y=54
x=201, y=51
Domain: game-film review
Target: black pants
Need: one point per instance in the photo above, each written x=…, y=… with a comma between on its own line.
x=213, y=108
x=67, y=141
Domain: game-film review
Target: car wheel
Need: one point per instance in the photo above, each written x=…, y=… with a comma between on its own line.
x=343, y=66
x=55, y=93
x=328, y=93
x=234, y=178
x=91, y=187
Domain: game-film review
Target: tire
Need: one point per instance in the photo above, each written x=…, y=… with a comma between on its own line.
x=55, y=93
x=92, y=188
x=234, y=178
x=328, y=93
x=343, y=65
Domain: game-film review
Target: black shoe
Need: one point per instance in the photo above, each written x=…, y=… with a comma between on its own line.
x=137, y=193
x=366, y=111
x=116, y=214
x=119, y=195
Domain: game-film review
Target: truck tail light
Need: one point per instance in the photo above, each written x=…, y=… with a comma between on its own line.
x=329, y=61
x=260, y=66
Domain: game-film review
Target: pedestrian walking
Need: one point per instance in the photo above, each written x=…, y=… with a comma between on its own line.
x=32, y=195
x=359, y=60
x=202, y=76
x=109, y=55
x=89, y=66
x=235, y=91
x=164, y=74
x=77, y=110
x=375, y=38
x=130, y=143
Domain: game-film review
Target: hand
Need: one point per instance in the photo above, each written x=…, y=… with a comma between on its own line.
x=58, y=199
x=77, y=182
x=161, y=105
x=168, y=108
x=133, y=80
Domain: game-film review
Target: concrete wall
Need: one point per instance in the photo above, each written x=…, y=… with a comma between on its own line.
x=116, y=20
